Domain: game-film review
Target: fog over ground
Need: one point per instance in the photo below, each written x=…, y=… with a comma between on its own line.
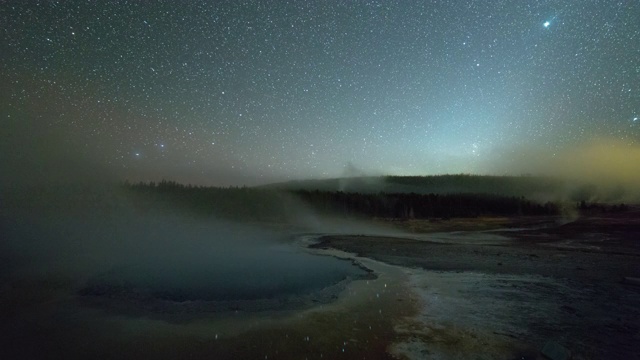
x=609, y=168
x=90, y=224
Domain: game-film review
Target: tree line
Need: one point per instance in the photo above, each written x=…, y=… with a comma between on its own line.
x=423, y=206
x=273, y=205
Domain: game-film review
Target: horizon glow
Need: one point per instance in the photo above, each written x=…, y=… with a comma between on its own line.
x=234, y=93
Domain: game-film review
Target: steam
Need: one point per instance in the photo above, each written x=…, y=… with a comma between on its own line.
x=73, y=232
x=353, y=177
x=598, y=170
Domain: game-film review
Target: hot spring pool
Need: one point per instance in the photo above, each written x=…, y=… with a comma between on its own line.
x=266, y=277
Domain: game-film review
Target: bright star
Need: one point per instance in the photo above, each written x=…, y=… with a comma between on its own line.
x=546, y=24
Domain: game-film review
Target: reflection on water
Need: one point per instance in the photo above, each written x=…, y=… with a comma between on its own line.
x=141, y=306
x=105, y=279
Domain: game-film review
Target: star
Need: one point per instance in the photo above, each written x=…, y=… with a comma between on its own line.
x=266, y=89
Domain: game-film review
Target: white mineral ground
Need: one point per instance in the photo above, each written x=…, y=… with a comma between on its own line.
x=483, y=295
x=495, y=302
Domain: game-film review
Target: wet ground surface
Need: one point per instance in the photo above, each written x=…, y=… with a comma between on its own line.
x=47, y=318
x=505, y=294
x=49, y=323
x=483, y=294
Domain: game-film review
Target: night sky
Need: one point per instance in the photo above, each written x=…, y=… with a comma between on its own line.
x=248, y=92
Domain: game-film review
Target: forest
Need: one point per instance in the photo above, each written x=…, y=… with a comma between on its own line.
x=524, y=185
x=264, y=204
x=423, y=206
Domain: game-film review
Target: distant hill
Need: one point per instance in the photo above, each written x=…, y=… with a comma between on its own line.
x=533, y=187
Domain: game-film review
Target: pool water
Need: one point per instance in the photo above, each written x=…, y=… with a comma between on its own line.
x=254, y=273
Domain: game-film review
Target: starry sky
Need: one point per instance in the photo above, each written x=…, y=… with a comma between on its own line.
x=249, y=92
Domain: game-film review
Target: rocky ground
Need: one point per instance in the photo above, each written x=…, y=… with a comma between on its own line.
x=509, y=293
